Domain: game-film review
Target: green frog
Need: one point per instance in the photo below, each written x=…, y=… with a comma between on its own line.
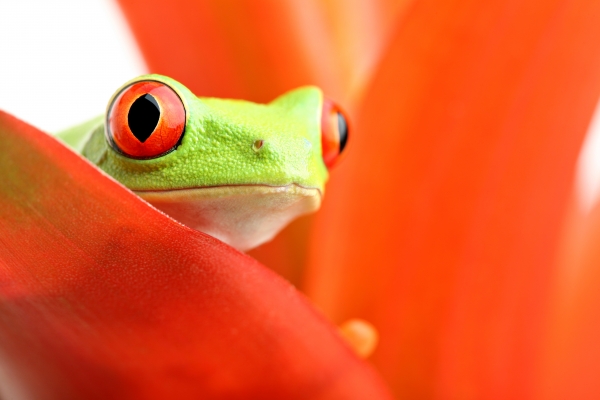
x=234, y=169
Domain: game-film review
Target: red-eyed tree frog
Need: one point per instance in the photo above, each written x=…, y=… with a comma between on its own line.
x=236, y=170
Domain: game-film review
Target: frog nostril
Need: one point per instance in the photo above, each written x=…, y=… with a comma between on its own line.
x=257, y=145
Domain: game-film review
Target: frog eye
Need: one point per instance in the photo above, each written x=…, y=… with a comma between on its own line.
x=334, y=132
x=145, y=120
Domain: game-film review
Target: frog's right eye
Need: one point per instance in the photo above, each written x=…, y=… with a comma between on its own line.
x=334, y=132
x=145, y=120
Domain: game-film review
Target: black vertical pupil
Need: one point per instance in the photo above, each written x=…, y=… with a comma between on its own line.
x=143, y=117
x=343, y=130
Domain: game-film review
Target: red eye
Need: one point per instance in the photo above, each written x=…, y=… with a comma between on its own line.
x=334, y=132
x=145, y=120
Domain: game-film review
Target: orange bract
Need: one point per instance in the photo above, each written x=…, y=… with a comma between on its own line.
x=168, y=130
x=441, y=228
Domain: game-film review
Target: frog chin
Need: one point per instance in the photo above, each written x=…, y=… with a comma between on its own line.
x=243, y=216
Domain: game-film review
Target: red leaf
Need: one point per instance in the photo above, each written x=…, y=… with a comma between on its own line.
x=102, y=296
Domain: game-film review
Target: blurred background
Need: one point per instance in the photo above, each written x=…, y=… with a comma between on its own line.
x=464, y=221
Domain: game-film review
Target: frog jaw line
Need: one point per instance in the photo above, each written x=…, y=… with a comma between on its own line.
x=243, y=216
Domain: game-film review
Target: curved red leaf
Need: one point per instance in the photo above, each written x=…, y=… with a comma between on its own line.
x=102, y=296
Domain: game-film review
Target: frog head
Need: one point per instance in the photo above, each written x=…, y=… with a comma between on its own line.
x=237, y=170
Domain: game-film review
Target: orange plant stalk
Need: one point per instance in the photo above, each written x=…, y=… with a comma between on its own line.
x=443, y=225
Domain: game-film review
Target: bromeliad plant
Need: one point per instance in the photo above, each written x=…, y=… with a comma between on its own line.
x=452, y=225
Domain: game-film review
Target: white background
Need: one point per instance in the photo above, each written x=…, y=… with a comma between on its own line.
x=60, y=61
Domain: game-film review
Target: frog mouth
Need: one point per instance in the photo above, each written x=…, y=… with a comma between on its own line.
x=243, y=216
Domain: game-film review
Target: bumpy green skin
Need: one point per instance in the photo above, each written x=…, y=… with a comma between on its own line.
x=217, y=146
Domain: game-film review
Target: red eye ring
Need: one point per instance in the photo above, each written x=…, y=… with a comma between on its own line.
x=334, y=132
x=145, y=120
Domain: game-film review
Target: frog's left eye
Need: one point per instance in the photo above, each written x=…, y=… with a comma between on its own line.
x=334, y=132
x=145, y=120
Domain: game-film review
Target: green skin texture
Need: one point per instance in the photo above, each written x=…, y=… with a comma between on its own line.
x=217, y=146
